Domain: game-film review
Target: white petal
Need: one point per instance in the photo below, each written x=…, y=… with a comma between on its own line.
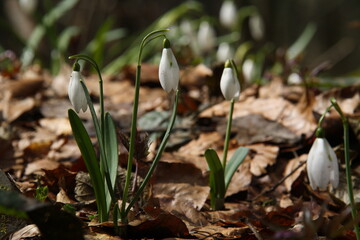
x=224, y=52
x=229, y=84
x=256, y=26
x=294, y=78
x=237, y=83
x=169, y=73
x=206, y=37
x=322, y=166
x=228, y=13
x=248, y=70
x=334, y=172
x=76, y=92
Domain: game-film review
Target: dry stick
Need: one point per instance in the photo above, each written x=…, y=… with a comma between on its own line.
x=253, y=229
x=280, y=182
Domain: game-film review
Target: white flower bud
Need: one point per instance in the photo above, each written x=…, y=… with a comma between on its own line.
x=256, y=26
x=169, y=73
x=76, y=92
x=248, y=70
x=228, y=14
x=294, y=78
x=229, y=84
x=224, y=52
x=322, y=165
x=206, y=37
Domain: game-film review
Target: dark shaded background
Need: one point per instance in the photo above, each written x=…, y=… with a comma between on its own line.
x=337, y=37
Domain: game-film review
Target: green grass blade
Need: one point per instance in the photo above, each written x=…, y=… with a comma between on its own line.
x=88, y=153
x=217, y=183
x=235, y=161
x=302, y=42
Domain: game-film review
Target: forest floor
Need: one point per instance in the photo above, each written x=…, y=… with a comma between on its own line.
x=269, y=196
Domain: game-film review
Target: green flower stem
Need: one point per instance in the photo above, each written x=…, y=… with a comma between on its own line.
x=348, y=167
x=131, y=145
x=157, y=157
x=133, y=124
x=228, y=132
x=323, y=115
x=101, y=145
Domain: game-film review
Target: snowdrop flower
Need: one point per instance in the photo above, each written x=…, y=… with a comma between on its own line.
x=228, y=14
x=229, y=83
x=224, y=52
x=294, y=78
x=322, y=164
x=256, y=26
x=248, y=69
x=75, y=90
x=206, y=37
x=169, y=73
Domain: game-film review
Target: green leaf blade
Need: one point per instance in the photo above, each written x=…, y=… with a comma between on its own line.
x=233, y=164
x=217, y=183
x=88, y=153
x=111, y=151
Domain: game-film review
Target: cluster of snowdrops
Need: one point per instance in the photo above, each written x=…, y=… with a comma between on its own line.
x=322, y=163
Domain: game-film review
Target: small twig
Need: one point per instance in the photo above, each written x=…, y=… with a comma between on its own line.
x=280, y=182
x=207, y=234
x=256, y=232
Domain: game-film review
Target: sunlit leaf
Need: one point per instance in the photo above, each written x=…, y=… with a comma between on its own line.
x=301, y=43
x=88, y=153
x=111, y=151
x=233, y=164
x=217, y=183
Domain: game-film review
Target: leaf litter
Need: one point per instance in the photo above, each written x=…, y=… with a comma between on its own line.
x=268, y=198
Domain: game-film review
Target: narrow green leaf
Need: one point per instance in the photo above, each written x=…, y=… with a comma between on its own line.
x=235, y=161
x=217, y=183
x=111, y=151
x=97, y=127
x=88, y=153
x=302, y=42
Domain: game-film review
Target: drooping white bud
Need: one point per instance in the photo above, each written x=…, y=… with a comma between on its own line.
x=224, y=52
x=248, y=70
x=229, y=83
x=322, y=165
x=294, y=78
x=206, y=37
x=169, y=73
x=75, y=90
x=256, y=26
x=228, y=14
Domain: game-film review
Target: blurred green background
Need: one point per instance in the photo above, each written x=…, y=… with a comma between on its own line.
x=279, y=36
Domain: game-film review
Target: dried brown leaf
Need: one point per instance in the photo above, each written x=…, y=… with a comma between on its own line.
x=290, y=173
x=265, y=155
x=38, y=166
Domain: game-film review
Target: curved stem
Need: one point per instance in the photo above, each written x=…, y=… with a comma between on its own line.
x=323, y=115
x=228, y=132
x=348, y=166
x=158, y=155
x=145, y=41
x=133, y=124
